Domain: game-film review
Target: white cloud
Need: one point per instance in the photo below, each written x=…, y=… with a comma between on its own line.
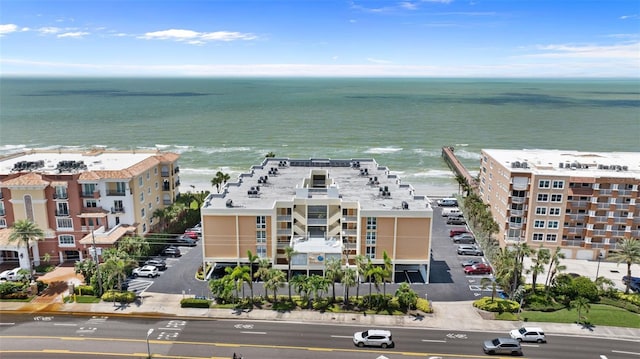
x=77, y=34
x=630, y=17
x=378, y=61
x=197, y=38
x=619, y=51
x=7, y=28
x=49, y=30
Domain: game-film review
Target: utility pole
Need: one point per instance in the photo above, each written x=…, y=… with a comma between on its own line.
x=95, y=258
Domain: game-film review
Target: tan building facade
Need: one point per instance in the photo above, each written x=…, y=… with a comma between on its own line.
x=324, y=209
x=583, y=202
x=82, y=198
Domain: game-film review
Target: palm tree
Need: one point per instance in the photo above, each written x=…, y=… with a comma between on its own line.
x=134, y=247
x=252, y=259
x=407, y=297
x=388, y=271
x=239, y=275
x=220, y=179
x=629, y=252
x=361, y=270
x=275, y=280
x=349, y=279
x=116, y=269
x=87, y=268
x=317, y=285
x=554, y=267
x=300, y=284
x=538, y=263
x=580, y=304
x=488, y=282
x=263, y=272
x=270, y=154
x=25, y=231
x=289, y=252
x=333, y=273
x=161, y=214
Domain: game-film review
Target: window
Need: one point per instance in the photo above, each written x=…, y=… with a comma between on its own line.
x=63, y=209
x=141, y=196
x=88, y=189
x=155, y=170
x=148, y=175
x=538, y=224
x=66, y=241
x=554, y=211
x=149, y=206
x=261, y=251
x=261, y=236
x=544, y=184
x=140, y=181
x=118, y=206
x=121, y=187
x=371, y=223
x=543, y=197
x=552, y=237
x=541, y=210
x=142, y=212
x=370, y=252
x=64, y=223
x=371, y=238
x=261, y=222
x=91, y=203
x=558, y=184
x=61, y=192
x=538, y=237
x=144, y=227
x=556, y=198
x=553, y=224
x=3, y=223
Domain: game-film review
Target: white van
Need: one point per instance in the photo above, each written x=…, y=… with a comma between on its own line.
x=451, y=212
x=447, y=202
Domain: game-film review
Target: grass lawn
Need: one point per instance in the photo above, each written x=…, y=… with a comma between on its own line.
x=598, y=315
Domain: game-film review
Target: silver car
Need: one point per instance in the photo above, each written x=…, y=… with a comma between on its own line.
x=502, y=346
x=469, y=250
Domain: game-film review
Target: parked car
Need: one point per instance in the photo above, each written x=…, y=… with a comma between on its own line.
x=634, y=283
x=472, y=261
x=502, y=346
x=171, y=251
x=146, y=271
x=159, y=263
x=528, y=334
x=12, y=274
x=447, y=202
x=466, y=238
x=469, y=250
x=197, y=228
x=373, y=337
x=186, y=240
x=456, y=220
x=191, y=234
x=457, y=231
x=478, y=268
x=453, y=211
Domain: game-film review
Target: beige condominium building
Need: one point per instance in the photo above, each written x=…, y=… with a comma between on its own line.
x=82, y=198
x=583, y=202
x=324, y=209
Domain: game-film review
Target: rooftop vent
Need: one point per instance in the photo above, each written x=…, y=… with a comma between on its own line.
x=405, y=205
x=28, y=165
x=229, y=203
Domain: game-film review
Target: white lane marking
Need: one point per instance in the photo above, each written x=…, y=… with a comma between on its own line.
x=253, y=332
x=7, y=323
x=65, y=324
x=342, y=336
x=165, y=328
x=434, y=340
x=603, y=357
x=531, y=345
x=623, y=352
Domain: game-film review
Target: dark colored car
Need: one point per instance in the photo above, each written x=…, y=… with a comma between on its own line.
x=185, y=240
x=171, y=251
x=456, y=220
x=156, y=262
x=466, y=238
x=502, y=346
x=634, y=283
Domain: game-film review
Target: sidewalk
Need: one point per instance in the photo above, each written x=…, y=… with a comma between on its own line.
x=454, y=316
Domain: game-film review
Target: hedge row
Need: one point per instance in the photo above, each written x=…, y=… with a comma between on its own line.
x=195, y=303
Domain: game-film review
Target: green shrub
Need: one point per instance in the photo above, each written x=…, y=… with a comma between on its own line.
x=542, y=303
x=497, y=305
x=8, y=288
x=620, y=303
x=116, y=296
x=423, y=305
x=631, y=298
x=195, y=303
x=41, y=286
x=83, y=290
x=16, y=295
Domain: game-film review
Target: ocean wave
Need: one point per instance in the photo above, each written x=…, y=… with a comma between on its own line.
x=433, y=174
x=468, y=155
x=427, y=153
x=212, y=150
x=381, y=150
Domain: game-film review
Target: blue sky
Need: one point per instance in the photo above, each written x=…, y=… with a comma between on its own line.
x=419, y=38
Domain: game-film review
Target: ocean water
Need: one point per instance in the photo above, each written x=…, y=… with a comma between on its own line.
x=229, y=124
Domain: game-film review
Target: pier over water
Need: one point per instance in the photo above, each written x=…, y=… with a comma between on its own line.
x=457, y=167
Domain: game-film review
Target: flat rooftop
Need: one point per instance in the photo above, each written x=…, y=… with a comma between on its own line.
x=46, y=161
x=569, y=163
x=351, y=180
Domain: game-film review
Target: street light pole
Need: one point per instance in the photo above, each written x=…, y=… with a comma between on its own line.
x=95, y=258
x=148, y=347
x=598, y=268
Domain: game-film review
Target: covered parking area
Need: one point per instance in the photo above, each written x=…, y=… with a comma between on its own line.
x=15, y=254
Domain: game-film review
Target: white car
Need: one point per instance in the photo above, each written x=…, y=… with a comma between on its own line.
x=373, y=337
x=528, y=334
x=146, y=271
x=12, y=274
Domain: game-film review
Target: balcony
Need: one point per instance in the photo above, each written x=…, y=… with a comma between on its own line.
x=95, y=194
x=518, y=199
x=284, y=231
x=62, y=213
x=515, y=225
x=166, y=202
x=61, y=195
x=572, y=243
x=164, y=173
x=349, y=232
x=284, y=218
x=166, y=187
x=350, y=219
x=176, y=170
x=516, y=212
x=117, y=210
x=111, y=192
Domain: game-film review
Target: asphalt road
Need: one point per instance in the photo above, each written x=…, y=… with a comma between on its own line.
x=28, y=336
